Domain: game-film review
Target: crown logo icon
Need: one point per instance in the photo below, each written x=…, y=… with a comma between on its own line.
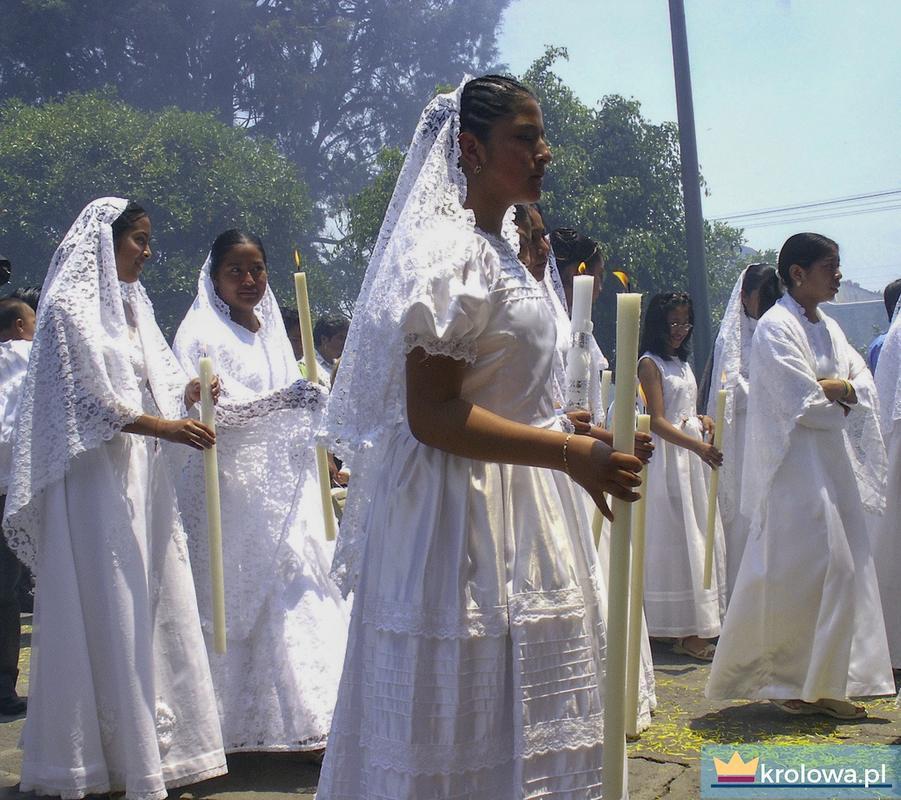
x=736, y=770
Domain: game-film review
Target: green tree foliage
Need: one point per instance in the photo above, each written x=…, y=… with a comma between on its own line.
x=196, y=176
x=332, y=81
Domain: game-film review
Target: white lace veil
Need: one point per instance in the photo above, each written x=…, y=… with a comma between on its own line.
x=425, y=241
x=81, y=387
x=731, y=353
x=209, y=329
x=888, y=375
x=552, y=274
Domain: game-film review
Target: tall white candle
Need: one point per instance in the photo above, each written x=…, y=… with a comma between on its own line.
x=636, y=596
x=213, y=506
x=606, y=387
x=713, y=490
x=583, y=293
x=312, y=372
x=628, y=311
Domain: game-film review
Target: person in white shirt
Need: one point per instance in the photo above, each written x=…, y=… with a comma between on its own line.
x=16, y=332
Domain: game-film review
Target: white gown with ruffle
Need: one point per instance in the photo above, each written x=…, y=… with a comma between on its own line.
x=675, y=600
x=474, y=666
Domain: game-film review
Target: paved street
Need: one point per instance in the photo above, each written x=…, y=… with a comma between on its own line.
x=663, y=764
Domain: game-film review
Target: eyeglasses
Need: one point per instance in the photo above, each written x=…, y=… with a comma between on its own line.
x=680, y=326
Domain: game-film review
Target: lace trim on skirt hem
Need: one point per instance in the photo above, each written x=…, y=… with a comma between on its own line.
x=456, y=623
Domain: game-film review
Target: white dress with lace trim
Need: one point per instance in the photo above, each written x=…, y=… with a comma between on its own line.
x=120, y=696
x=675, y=600
x=475, y=659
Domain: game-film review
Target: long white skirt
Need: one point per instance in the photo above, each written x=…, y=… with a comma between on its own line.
x=675, y=600
x=886, y=540
x=805, y=621
x=474, y=666
x=120, y=689
x=276, y=688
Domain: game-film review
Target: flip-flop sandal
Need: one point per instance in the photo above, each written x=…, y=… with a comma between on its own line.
x=837, y=709
x=840, y=709
x=706, y=653
x=802, y=709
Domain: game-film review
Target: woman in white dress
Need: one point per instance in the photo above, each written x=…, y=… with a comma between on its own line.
x=286, y=621
x=591, y=420
x=675, y=601
x=474, y=666
x=805, y=626
x=886, y=529
x=120, y=691
x=754, y=293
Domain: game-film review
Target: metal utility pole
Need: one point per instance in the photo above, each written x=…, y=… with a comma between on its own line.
x=691, y=187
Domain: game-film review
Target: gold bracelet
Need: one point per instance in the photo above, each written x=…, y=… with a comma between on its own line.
x=848, y=389
x=565, y=448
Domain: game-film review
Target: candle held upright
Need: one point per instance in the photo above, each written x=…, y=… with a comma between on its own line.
x=713, y=490
x=636, y=595
x=309, y=360
x=628, y=311
x=578, y=359
x=213, y=506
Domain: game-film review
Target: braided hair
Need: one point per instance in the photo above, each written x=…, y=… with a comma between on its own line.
x=487, y=99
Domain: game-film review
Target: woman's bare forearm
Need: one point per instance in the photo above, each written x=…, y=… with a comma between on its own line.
x=666, y=430
x=464, y=429
x=145, y=425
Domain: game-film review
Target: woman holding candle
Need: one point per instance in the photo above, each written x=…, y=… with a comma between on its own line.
x=474, y=662
x=120, y=695
x=675, y=601
x=805, y=626
x=755, y=292
x=286, y=621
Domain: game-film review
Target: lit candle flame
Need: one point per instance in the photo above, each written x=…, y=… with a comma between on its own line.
x=723, y=380
x=582, y=268
x=642, y=396
x=623, y=278
x=297, y=258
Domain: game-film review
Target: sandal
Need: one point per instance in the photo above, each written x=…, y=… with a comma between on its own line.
x=837, y=709
x=704, y=653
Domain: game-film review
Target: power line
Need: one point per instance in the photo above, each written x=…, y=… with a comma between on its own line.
x=851, y=212
x=814, y=204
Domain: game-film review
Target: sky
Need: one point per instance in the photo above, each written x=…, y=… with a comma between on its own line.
x=796, y=101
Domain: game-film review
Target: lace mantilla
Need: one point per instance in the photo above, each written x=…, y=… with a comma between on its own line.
x=81, y=388
x=426, y=254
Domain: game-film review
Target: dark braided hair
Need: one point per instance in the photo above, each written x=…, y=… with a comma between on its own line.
x=803, y=249
x=126, y=220
x=655, y=333
x=762, y=278
x=487, y=99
